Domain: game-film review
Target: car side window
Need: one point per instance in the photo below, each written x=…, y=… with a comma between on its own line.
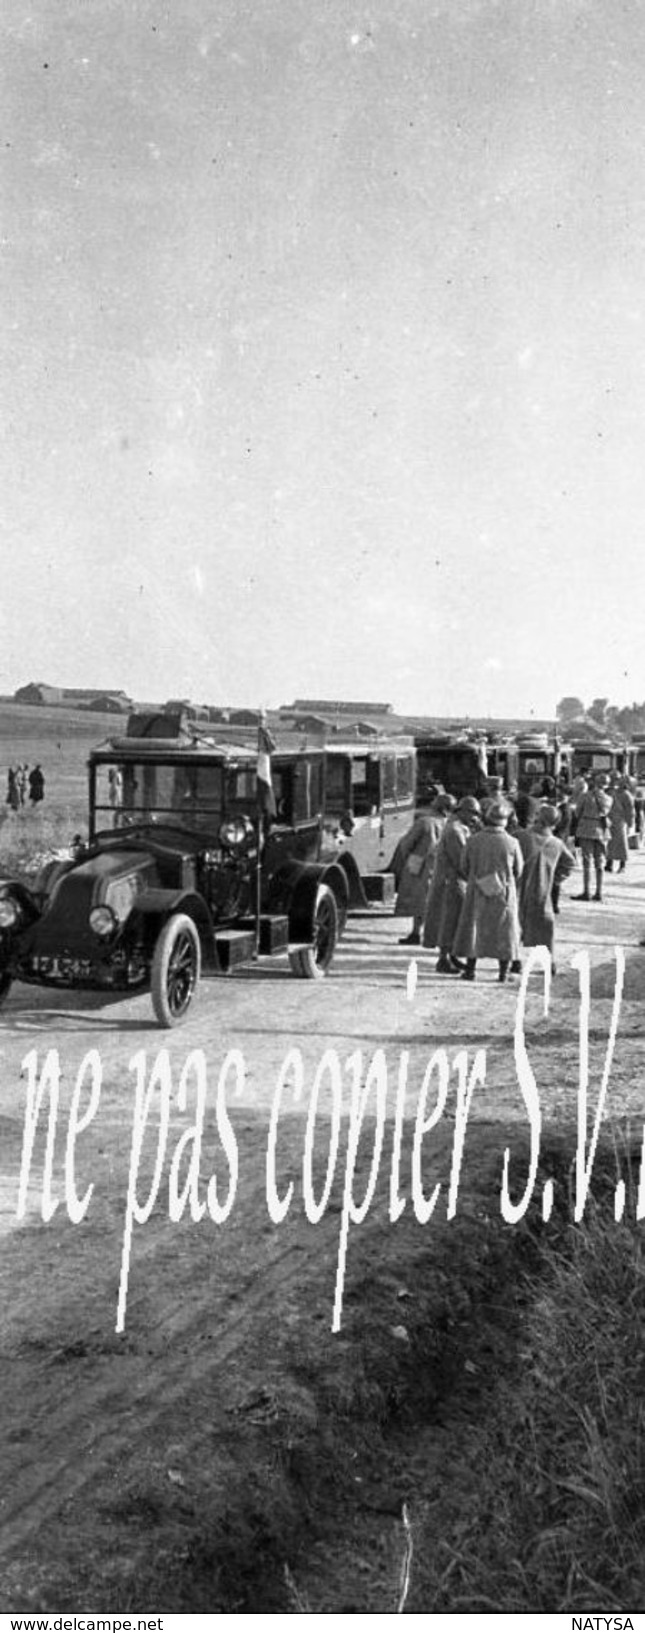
x=302, y=791
x=282, y=779
x=389, y=779
x=404, y=778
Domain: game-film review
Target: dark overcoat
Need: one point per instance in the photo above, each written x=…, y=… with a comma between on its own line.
x=547, y=861
x=489, y=925
x=413, y=862
x=448, y=887
x=621, y=821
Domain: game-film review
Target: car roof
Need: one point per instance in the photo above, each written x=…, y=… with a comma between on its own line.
x=166, y=752
x=371, y=745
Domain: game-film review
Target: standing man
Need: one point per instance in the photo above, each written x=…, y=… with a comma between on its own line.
x=592, y=825
x=547, y=861
x=448, y=888
x=36, y=785
x=621, y=822
x=413, y=864
x=21, y=782
x=489, y=924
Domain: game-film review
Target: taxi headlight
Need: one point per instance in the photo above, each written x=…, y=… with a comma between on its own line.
x=235, y=832
x=103, y=921
x=10, y=912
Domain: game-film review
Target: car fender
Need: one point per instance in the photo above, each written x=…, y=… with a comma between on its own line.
x=156, y=906
x=49, y=874
x=294, y=889
x=355, y=887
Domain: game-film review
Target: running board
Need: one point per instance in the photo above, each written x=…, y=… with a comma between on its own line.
x=234, y=947
x=239, y=946
x=380, y=888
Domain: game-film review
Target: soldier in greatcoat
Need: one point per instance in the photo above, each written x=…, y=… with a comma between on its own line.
x=413, y=863
x=492, y=866
x=448, y=887
x=547, y=862
x=621, y=822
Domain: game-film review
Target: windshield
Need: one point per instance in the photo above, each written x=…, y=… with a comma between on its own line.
x=536, y=765
x=181, y=796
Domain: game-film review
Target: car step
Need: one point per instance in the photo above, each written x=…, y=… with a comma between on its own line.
x=379, y=888
x=234, y=947
x=274, y=932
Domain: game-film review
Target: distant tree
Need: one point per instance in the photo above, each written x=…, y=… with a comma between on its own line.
x=569, y=708
x=636, y=718
x=624, y=721
x=598, y=710
x=628, y=720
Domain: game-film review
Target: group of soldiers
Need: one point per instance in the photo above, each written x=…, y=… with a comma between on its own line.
x=482, y=879
x=23, y=784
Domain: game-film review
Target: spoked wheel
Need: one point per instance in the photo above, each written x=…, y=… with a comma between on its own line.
x=311, y=963
x=176, y=967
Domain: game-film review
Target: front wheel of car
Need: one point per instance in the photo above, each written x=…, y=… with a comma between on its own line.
x=176, y=967
x=311, y=963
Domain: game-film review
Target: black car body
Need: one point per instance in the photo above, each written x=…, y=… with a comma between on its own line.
x=181, y=874
x=456, y=764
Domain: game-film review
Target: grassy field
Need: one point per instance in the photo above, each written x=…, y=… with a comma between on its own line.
x=60, y=741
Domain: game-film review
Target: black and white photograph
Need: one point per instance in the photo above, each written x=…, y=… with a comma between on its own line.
x=322, y=809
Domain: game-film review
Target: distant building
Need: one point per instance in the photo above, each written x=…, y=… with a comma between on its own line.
x=107, y=700
x=92, y=697
x=197, y=712
x=107, y=703
x=355, y=728
x=331, y=706
x=244, y=717
x=505, y=726
x=310, y=722
x=38, y=692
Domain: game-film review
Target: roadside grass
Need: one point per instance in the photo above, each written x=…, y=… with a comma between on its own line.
x=484, y=1403
x=554, y=1520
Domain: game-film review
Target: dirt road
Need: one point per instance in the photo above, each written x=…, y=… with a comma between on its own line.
x=115, y=1443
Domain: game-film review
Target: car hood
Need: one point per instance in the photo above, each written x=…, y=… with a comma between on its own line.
x=111, y=878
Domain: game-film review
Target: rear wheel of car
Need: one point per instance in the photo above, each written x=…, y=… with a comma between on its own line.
x=176, y=967
x=311, y=963
x=5, y=983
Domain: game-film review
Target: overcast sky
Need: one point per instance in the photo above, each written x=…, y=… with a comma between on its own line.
x=324, y=349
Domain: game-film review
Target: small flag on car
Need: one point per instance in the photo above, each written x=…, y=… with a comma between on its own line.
x=265, y=795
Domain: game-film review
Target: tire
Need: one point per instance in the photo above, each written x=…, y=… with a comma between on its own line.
x=176, y=968
x=5, y=983
x=312, y=963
